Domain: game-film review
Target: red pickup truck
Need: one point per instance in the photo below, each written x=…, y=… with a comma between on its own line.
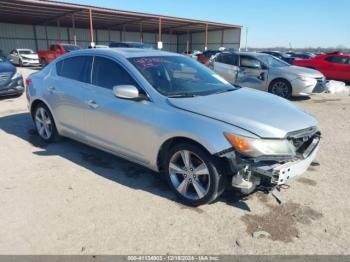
x=54, y=51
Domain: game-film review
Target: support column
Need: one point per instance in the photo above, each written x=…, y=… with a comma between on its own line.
x=141, y=33
x=59, y=30
x=191, y=47
x=187, y=43
x=35, y=38
x=68, y=34
x=171, y=39
x=92, y=44
x=74, y=31
x=222, y=38
x=47, y=38
x=159, y=32
x=123, y=36
x=177, y=43
x=206, y=38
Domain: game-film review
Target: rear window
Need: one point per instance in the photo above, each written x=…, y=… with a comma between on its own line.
x=76, y=68
x=338, y=59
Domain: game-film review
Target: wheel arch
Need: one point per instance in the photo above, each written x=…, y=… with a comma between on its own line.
x=38, y=101
x=166, y=145
x=279, y=79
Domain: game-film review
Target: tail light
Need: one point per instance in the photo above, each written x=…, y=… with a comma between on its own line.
x=28, y=82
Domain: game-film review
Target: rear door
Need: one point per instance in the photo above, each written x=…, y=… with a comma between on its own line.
x=252, y=73
x=65, y=93
x=226, y=65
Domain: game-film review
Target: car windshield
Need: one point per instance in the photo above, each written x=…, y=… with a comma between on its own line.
x=70, y=47
x=272, y=61
x=177, y=76
x=26, y=52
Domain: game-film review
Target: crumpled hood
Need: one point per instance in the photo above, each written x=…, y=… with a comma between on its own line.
x=301, y=71
x=30, y=56
x=261, y=113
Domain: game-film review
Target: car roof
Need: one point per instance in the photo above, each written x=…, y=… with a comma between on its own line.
x=126, y=52
x=256, y=54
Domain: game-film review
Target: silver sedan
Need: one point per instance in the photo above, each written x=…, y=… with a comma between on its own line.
x=173, y=115
x=267, y=73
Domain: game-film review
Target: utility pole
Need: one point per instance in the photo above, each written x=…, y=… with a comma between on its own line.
x=246, y=39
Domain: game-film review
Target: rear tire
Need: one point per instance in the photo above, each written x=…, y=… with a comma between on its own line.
x=281, y=87
x=45, y=124
x=193, y=174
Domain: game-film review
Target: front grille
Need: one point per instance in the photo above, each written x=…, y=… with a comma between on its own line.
x=4, y=77
x=320, y=85
x=302, y=139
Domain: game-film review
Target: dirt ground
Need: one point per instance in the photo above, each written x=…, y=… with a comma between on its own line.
x=68, y=198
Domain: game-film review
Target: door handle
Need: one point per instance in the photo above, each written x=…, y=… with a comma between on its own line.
x=51, y=89
x=92, y=104
x=261, y=76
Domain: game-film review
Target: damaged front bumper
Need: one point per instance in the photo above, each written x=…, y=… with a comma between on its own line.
x=280, y=173
x=248, y=173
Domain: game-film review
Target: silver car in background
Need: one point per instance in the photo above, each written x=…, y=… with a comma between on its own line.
x=267, y=73
x=171, y=114
x=24, y=57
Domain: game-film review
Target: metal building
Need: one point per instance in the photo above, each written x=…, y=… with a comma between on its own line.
x=35, y=24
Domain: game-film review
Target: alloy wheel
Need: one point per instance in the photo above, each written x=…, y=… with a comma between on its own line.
x=189, y=175
x=280, y=88
x=43, y=123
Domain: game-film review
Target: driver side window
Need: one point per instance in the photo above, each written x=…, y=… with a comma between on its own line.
x=107, y=74
x=250, y=62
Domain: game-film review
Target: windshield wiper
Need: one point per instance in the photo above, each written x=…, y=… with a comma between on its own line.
x=224, y=91
x=182, y=95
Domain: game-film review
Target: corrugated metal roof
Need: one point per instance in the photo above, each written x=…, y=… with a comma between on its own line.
x=49, y=12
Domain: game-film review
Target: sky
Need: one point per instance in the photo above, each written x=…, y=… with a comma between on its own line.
x=270, y=23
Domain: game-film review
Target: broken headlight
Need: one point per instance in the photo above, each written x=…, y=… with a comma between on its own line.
x=255, y=147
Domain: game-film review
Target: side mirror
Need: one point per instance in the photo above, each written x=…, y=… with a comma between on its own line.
x=126, y=92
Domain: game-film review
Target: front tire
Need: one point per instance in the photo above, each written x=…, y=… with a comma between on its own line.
x=193, y=174
x=45, y=124
x=281, y=87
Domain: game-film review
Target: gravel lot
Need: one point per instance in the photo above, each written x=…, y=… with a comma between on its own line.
x=72, y=199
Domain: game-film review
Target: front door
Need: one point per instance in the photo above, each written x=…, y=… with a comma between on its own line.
x=252, y=73
x=118, y=125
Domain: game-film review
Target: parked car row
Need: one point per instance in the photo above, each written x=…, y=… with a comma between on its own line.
x=334, y=66
x=175, y=116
